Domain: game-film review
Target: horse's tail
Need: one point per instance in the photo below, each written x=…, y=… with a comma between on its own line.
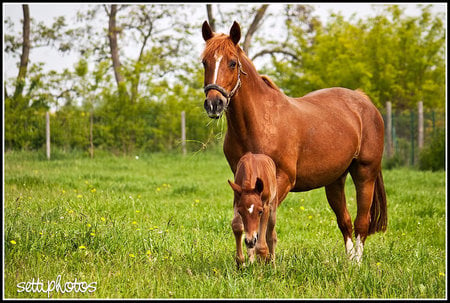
x=378, y=210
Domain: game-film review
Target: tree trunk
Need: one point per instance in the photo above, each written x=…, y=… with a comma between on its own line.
x=210, y=17
x=112, y=35
x=253, y=27
x=25, y=51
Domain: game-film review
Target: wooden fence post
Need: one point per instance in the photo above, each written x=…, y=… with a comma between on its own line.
x=47, y=132
x=91, y=134
x=420, y=125
x=390, y=145
x=183, y=132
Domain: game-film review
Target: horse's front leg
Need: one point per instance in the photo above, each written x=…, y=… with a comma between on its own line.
x=261, y=245
x=284, y=185
x=271, y=233
x=238, y=229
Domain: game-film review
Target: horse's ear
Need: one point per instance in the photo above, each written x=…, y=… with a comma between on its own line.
x=235, y=187
x=259, y=185
x=235, y=33
x=207, y=31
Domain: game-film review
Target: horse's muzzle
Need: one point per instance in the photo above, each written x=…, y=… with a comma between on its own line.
x=215, y=106
x=250, y=243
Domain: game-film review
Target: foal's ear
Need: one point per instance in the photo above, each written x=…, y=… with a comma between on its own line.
x=235, y=33
x=207, y=32
x=259, y=185
x=235, y=187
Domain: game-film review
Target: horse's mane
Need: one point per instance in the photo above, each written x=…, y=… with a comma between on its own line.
x=269, y=82
x=219, y=42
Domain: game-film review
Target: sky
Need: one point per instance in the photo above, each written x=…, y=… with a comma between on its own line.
x=56, y=61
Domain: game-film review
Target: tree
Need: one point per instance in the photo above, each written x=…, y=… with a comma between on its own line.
x=391, y=57
x=25, y=52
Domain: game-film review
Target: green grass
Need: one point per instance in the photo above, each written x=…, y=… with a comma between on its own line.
x=159, y=227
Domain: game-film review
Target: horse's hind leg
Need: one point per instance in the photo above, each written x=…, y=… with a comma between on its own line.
x=336, y=198
x=364, y=177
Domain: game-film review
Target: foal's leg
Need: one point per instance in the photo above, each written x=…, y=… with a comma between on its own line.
x=364, y=178
x=238, y=229
x=261, y=245
x=336, y=198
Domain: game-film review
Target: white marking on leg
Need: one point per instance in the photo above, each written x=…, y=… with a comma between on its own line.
x=216, y=70
x=359, y=248
x=250, y=210
x=349, y=248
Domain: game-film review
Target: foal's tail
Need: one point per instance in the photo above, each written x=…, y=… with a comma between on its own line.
x=378, y=210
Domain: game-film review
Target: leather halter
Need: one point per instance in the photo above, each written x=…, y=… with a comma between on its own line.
x=223, y=91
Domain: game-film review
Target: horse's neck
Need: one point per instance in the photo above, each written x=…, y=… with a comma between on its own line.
x=251, y=104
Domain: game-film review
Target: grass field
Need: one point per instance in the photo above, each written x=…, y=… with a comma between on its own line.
x=159, y=227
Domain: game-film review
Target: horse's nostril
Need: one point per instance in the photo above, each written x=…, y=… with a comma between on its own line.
x=250, y=243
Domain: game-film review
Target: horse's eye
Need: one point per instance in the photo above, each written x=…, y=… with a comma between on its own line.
x=232, y=64
x=260, y=212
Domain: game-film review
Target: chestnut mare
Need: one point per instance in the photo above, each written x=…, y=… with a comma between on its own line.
x=315, y=140
x=255, y=191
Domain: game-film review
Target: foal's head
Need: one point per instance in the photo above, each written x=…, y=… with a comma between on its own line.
x=250, y=207
x=222, y=68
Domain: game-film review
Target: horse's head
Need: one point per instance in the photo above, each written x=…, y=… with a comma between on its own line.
x=250, y=207
x=222, y=68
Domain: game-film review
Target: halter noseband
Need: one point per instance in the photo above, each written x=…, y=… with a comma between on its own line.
x=223, y=91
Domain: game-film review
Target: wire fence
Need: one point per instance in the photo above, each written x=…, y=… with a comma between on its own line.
x=410, y=131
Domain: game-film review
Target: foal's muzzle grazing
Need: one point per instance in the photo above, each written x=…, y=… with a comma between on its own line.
x=250, y=243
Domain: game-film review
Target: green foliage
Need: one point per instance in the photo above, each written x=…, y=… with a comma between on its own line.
x=24, y=123
x=159, y=227
x=432, y=157
x=392, y=57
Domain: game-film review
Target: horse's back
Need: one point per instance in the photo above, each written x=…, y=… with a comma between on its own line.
x=339, y=96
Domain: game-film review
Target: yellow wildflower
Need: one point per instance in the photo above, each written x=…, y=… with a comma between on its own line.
x=82, y=247
x=13, y=242
x=79, y=196
x=93, y=190
x=131, y=255
x=103, y=219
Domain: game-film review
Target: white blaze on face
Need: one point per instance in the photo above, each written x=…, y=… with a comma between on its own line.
x=216, y=70
x=250, y=210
